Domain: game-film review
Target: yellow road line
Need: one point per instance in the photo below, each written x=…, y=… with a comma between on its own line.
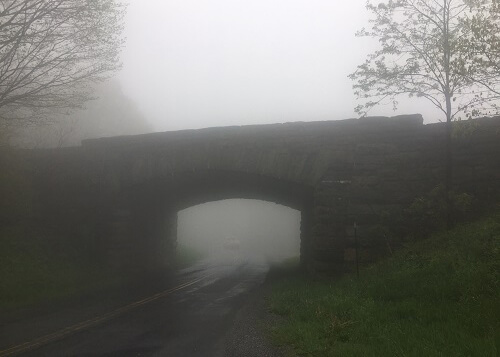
x=92, y=322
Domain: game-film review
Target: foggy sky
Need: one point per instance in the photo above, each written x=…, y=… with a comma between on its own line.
x=198, y=63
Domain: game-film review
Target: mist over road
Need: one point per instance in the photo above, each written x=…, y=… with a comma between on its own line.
x=192, y=321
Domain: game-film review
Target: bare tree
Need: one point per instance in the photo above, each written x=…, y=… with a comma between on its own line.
x=52, y=51
x=433, y=49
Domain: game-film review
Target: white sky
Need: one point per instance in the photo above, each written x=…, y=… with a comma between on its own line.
x=202, y=63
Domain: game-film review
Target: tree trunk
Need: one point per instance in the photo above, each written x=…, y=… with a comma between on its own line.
x=448, y=167
x=448, y=181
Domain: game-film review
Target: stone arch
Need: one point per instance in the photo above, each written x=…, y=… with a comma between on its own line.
x=143, y=223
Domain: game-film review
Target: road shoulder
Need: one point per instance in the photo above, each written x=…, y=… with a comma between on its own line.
x=249, y=336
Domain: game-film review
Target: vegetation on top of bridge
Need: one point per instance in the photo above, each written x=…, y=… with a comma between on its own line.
x=436, y=297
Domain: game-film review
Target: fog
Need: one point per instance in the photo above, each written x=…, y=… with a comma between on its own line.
x=194, y=63
x=111, y=113
x=261, y=230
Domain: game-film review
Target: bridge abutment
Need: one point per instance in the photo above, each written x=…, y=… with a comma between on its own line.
x=140, y=238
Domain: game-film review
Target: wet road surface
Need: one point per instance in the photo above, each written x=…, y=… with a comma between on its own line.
x=189, y=316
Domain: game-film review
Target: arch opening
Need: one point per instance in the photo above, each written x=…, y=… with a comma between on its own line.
x=148, y=213
x=236, y=231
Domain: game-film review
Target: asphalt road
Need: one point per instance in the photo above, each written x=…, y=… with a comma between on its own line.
x=188, y=314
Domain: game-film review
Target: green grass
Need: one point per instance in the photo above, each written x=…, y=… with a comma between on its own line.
x=31, y=271
x=36, y=267
x=438, y=297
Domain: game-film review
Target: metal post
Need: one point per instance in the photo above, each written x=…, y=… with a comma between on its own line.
x=356, y=248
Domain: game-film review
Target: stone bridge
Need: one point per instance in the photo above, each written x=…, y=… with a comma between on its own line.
x=123, y=193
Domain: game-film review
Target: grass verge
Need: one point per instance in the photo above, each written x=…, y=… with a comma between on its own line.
x=35, y=267
x=437, y=297
x=33, y=270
